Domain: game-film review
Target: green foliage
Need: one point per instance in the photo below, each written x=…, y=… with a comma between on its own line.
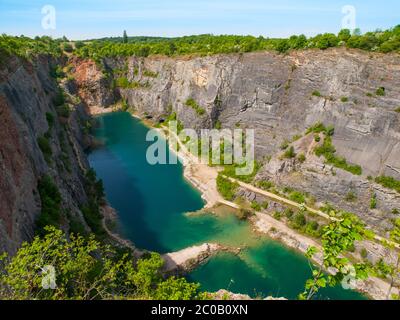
x=316, y=94
x=45, y=147
x=124, y=83
x=27, y=48
x=328, y=151
x=299, y=221
x=206, y=44
x=297, y=197
x=63, y=111
x=230, y=171
x=67, y=47
x=50, y=198
x=59, y=99
x=150, y=74
x=50, y=120
x=380, y=92
x=79, y=44
x=194, y=105
x=344, y=99
x=226, y=187
x=364, y=253
x=388, y=182
x=255, y=206
x=86, y=270
x=337, y=238
x=265, y=184
x=218, y=125
x=290, y=153
x=373, y=203
x=397, y=110
x=351, y=197
x=301, y=158
x=319, y=127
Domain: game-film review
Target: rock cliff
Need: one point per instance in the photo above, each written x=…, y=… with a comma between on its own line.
x=28, y=114
x=280, y=96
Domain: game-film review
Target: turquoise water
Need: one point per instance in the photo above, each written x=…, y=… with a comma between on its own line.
x=152, y=201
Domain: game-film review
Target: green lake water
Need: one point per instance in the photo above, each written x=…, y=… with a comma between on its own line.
x=152, y=202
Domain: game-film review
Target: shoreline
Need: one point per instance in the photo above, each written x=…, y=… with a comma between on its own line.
x=203, y=178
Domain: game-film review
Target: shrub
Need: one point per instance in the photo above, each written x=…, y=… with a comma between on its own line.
x=45, y=147
x=290, y=153
x=265, y=184
x=63, y=111
x=328, y=151
x=301, y=158
x=150, y=74
x=381, y=91
x=373, y=203
x=297, y=197
x=397, y=110
x=388, y=182
x=50, y=198
x=256, y=206
x=351, y=196
x=50, y=120
x=226, y=188
x=284, y=145
x=277, y=215
x=364, y=253
x=193, y=104
x=299, y=221
x=67, y=47
x=288, y=213
x=316, y=94
x=244, y=214
x=344, y=99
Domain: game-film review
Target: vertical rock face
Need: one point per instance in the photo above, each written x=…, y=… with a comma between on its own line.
x=273, y=94
x=26, y=95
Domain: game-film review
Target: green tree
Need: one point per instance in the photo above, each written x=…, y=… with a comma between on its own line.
x=85, y=270
x=337, y=238
x=125, y=37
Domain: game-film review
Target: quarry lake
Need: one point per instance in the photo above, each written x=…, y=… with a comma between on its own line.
x=152, y=202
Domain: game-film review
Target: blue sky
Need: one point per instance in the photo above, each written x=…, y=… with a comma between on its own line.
x=99, y=18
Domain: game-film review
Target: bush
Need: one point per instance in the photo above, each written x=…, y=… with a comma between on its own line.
x=297, y=197
x=256, y=206
x=50, y=120
x=364, y=253
x=301, y=158
x=87, y=270
x=193, y=104
x=381, y=92
x=388, y=182
x=50, y=198
x=344, y=99
x=67, y=47
x=299, y=221
x=373, y=202
x=351, y=197
x=265, y=185
x=290, y=153
x=226, y=188
x=316, y=93
x=328, y=151
x=45, y=147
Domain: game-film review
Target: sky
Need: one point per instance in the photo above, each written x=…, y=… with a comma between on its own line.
x=88, y=19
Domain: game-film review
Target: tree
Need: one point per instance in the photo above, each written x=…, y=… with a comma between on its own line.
x=344, y=35
x=337, y=238
x=125, y=37
x=84, y=269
